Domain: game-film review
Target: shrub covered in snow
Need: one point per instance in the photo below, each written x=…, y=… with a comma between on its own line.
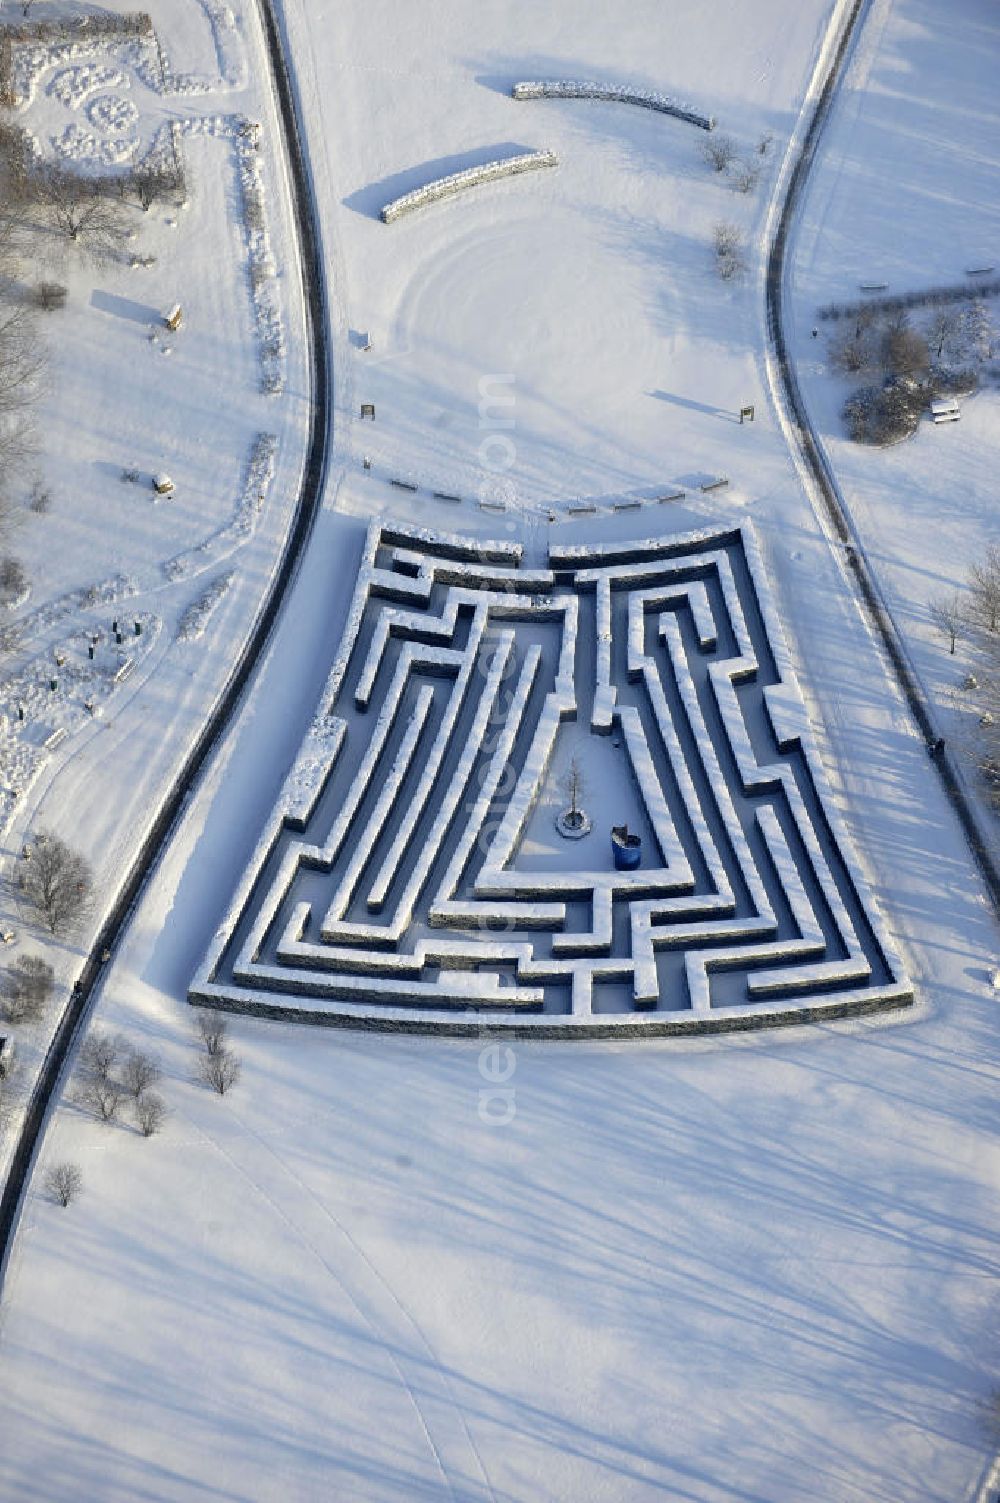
x=884, y=414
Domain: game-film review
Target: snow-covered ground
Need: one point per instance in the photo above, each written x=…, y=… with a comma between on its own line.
x=592, y=284
x=123, y=394
x=906, y=192
x=758, y=1269
x=709, y=1271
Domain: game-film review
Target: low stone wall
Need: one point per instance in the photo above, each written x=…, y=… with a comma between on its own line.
x=472, y=177
x=612, y=93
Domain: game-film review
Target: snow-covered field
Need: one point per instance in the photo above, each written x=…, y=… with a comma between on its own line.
x=591, y=284
x=123, y=394
x=700, y=1270
x=757, y=1269
x=907, y=192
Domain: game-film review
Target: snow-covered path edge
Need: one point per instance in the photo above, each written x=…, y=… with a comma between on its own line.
x=147, y=856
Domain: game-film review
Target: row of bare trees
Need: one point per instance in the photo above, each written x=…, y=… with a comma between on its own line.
x=742, y=169
x=219, y=1067
x=951, y=336
x=54, y=885
x=975, y=611
x=112, y=1076
x=22, y=369
x=723, y=155
x=92, y=212
x=729, y=243
x=971, y=616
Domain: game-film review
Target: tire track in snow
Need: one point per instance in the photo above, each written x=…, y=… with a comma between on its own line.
x=394, y=1328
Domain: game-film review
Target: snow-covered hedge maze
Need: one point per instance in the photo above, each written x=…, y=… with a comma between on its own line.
x=559, y=88
x=411, y=877
x=472, y=177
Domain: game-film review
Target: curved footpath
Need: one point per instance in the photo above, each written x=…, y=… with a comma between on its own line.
x=306, y=509
x=788, y=395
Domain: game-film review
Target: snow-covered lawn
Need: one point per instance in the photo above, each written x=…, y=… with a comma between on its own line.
x=761, y=1269
x=749, y=1270
x=906, y=192
x=592, y=284
x=124, y=394
x=705, y=1271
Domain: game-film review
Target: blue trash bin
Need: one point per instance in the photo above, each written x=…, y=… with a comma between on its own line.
x=626, y=848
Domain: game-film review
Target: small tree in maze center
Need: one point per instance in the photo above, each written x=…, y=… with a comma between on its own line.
x=574, y=820
x=574, y=792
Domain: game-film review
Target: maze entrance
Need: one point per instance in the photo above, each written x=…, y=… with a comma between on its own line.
x=412, y=877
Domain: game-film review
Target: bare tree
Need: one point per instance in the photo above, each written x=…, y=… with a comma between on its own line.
x=745, y=176
x=212, y=1027
x=15, y=162
x=13, y=579
x=147, y=185
x=30, y=985
x=978, y=332
x=50, y=296
x=220, y=1070
x=18, y=447
x=100, y=1054
x=852, y=347
x=718, y=151
x=904, y=350
x=574, y=787
x=866, y=320
x=150, y=1111
x=946, y=331
x=948, y=616
x=150, y=184
x=984, y=591
x=729, y=255
x=56, y=882
x=103, y=1097
x=10, y=220
x=80, y=209
x=22, y=358
x=40, y=497
x=140, y=1073
x=64, y=1182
